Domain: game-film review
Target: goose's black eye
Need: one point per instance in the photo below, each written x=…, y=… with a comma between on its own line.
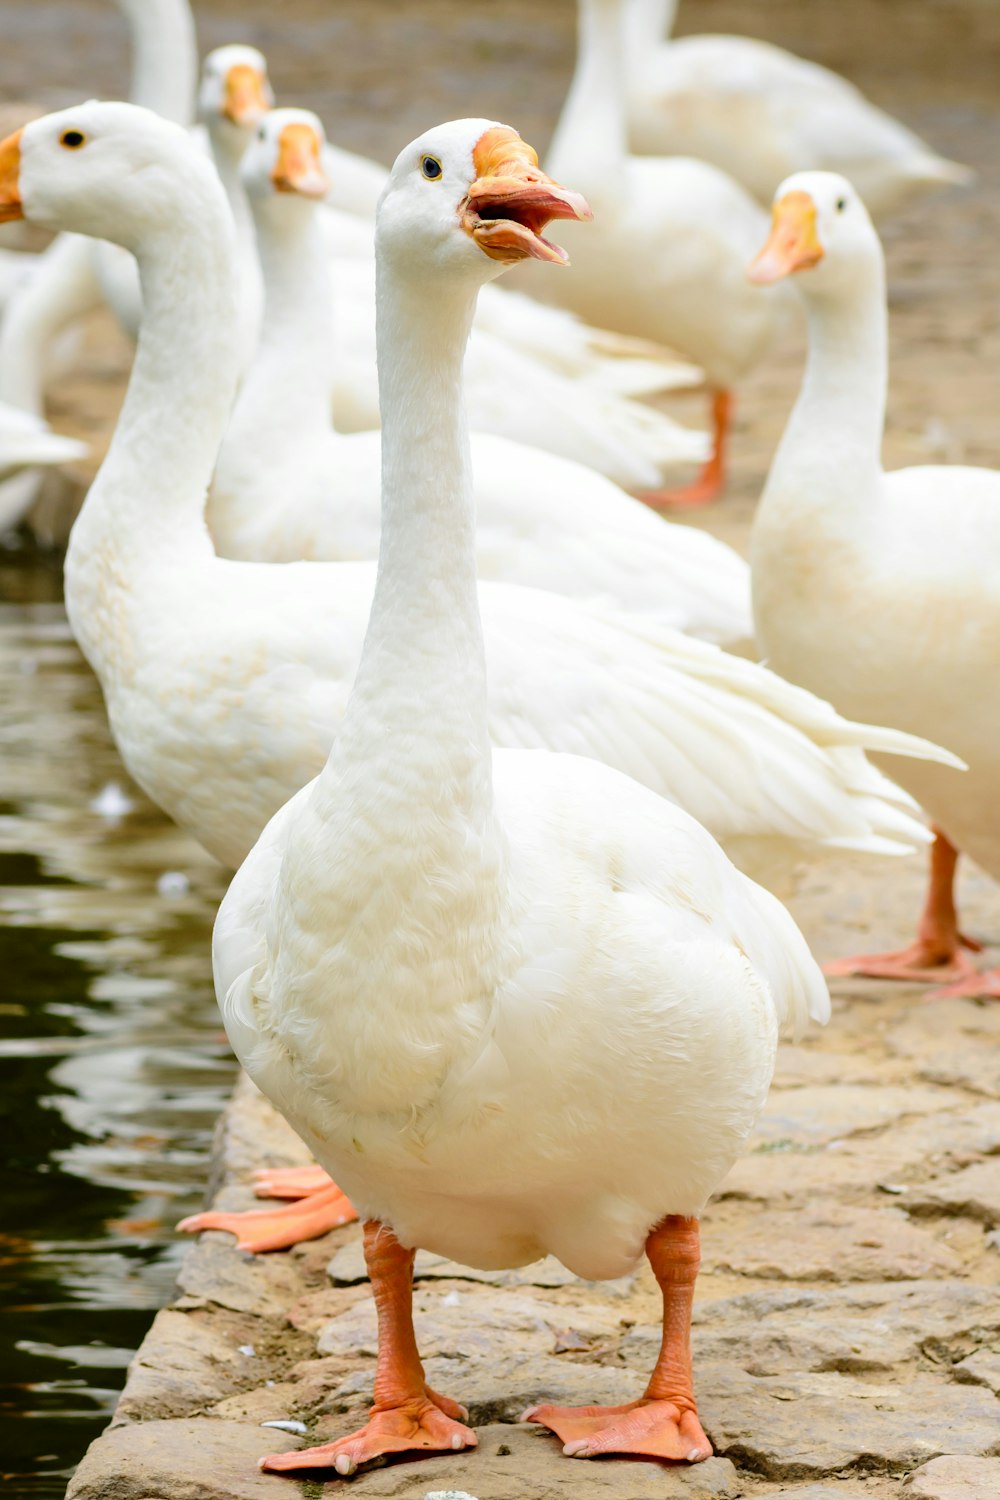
x=72, y=139
x=431, y=168
x=841, y=205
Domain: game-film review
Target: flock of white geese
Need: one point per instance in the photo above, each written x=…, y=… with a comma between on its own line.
x=455, y=705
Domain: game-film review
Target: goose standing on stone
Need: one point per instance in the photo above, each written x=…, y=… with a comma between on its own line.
x=881, y=591
x=760, y=113
x=288, y=486
x=517, y=1003
x=667, y=256
x=225, y=682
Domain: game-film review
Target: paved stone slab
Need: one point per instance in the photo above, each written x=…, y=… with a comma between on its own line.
x=813, y=1425
x=974, y=1192
x=527, y=1463
x=831, y=1111
x=183, y=1460
x=827, y=1242
x=952, y=1042
x=952, y=1478
x=184, y=1364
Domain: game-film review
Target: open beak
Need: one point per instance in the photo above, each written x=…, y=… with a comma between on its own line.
x=247, y=97
x=299, y=168
x=512, y=200
x=10, y=174
x=793, y=244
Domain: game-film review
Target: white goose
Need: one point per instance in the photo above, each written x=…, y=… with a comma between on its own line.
x=225, y=682
x=288, y=486
x=760, y=113
x=480, y=984
x=671, y=237
x=73, y=274
x=881, y=591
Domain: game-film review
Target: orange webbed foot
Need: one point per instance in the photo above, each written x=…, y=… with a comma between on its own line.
x=920, y=963
x=290, y=1182
x=428, y=1424
x=260, y=1230
x=974, y=986
x=705, y=489
x=647, y=1428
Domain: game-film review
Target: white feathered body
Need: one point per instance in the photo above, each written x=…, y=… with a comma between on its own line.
x=534, y=1035
x=887, y=601
x=759, y=113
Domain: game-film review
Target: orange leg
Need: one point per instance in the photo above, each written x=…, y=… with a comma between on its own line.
x=708, y=485
x=937, y=953
x=290, y=1182
x=258, y=1230
x=664, y=1423
x=407, y=1415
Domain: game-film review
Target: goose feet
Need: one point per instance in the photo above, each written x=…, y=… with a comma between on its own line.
x=428, y=1423
x=653, y=1429
x=974, y=986
x=290, y=1182
x=259, y=1230
x=936, y=956
x=709, y=484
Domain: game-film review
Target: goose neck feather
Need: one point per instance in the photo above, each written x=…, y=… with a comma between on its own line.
x=590, y=145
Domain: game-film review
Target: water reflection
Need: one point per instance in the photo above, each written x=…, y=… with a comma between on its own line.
x=113, y=1065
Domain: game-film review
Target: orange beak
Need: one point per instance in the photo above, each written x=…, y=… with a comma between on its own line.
x=299, y=168
x=247, y=95
x=793, y=244
x=10, y=173
x=512, y=200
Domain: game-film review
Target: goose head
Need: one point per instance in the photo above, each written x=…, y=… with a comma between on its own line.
x=819, y=226
x=470, y=198
x=234, y=93
x=115, y=171
x=285, y=158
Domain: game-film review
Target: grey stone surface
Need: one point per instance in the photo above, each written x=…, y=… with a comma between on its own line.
x=182, y=1460
x=185, y=1363
x=828, y=1241
x=813, y=1425
x=955, y=1478
x=975, y=1192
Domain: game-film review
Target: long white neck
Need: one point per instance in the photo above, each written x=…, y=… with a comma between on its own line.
x=422, y=674
x=164, y=57
x=647, y=26
x=399, y=848
x=286, y=394
x=591, y=139
x=145, y=509
x=830, y=454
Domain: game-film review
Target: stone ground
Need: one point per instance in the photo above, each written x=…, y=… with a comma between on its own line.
x=847, y=1333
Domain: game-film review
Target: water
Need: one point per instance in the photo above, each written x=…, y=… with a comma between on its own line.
x=113, y=1065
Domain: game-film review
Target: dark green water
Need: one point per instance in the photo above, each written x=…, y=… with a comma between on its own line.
x=113, y=1065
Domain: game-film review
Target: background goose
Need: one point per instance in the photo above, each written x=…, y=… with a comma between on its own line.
x=760, y=113
x=288, y=486
x=73, y=274
x=481, y=1026
x=874, y=588
x=667, y=255
x=26, y=440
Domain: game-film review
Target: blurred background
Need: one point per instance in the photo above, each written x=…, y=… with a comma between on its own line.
x=112, y=1062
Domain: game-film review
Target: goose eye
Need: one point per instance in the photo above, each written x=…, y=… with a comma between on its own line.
x=72, y=139
x=841, y=205
x=431, y=168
